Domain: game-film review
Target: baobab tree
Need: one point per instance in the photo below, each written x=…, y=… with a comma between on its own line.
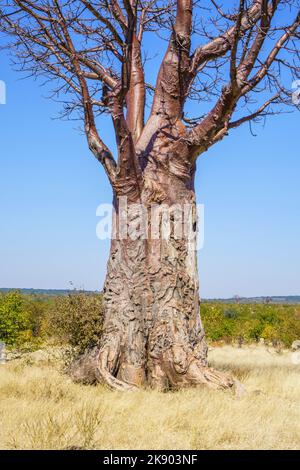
x=238, y=62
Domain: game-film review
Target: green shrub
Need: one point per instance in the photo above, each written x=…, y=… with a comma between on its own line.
x=250, y=322
x=39, y=309
x=14, y=319
x=77, y=320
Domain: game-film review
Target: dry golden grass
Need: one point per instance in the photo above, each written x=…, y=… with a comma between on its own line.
x=40, y=408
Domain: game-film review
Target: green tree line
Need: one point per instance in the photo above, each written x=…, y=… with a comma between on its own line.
x=28, y=321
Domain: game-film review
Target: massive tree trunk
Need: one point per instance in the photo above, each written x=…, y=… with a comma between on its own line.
x=153, y=333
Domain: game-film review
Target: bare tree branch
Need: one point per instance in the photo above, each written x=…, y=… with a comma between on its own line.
x=217, y=123
x=94, y=53
x=170, y=86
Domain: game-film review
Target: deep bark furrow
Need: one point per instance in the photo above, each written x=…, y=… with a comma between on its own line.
x=153, y=333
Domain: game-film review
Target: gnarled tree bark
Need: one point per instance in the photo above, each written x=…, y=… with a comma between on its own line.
x=153, y=333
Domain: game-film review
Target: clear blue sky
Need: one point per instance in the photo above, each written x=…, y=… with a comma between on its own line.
x=50, y=187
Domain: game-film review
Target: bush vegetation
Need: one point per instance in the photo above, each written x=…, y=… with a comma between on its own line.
x=15, y=321
x=76, y=320
x=247, y=323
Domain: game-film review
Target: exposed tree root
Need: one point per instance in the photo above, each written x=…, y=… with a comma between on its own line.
x=196, y=374
x=104, y=375
x=95, y=367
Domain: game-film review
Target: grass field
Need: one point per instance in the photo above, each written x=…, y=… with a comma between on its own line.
x=40, y=408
